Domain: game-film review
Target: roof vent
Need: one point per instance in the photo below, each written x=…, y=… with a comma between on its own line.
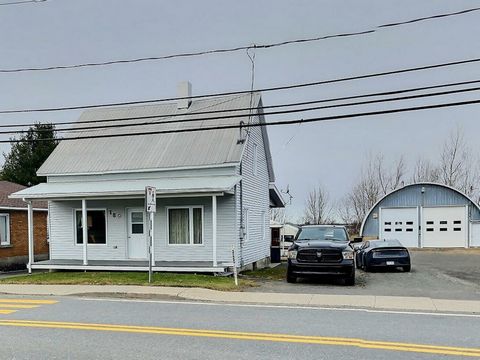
x=184, y=91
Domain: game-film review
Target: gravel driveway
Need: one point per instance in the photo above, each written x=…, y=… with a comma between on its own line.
x=440, y=274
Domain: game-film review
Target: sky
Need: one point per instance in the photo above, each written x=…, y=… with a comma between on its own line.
x=330, y=154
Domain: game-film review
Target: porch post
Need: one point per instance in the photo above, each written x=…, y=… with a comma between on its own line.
x=214, y=229
x=84, y=231
x=31, y=253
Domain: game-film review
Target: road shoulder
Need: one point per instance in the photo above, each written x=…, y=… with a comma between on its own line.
x=400, y=303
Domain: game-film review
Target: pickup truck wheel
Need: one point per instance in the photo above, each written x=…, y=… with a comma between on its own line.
x=350, y=280
x=290, y=278
x=407, y=268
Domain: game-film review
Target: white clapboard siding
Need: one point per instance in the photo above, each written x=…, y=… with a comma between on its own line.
x=172, y=173
x=62, y=243
x=256, y=199
x=204, y=252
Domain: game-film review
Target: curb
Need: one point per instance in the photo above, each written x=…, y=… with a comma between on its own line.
x=199, y=294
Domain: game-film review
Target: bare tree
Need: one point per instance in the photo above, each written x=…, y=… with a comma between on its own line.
x=376, y=180
x=458, y=167
x=389, y=179
x=425, y=171
x=277, y=215
x=317, y=207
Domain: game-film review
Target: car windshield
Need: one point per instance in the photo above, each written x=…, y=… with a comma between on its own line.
x=322, y=233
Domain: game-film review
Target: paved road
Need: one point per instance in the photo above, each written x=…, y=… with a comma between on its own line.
x=74, y=328
x=452, y=274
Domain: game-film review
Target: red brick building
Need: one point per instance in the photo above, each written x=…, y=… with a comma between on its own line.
x=14, y=228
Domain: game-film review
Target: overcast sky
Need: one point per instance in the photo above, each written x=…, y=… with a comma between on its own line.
x=59, y=32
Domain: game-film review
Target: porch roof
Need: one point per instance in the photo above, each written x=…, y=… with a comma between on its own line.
x=133, y=188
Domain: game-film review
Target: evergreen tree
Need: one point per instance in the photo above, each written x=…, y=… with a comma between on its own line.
x=25, y=157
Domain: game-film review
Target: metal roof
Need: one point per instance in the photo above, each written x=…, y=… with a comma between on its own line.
x=107, y=188
x=156, y=151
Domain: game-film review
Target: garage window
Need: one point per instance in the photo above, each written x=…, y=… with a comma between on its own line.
x=457, y=229
x=398, y=229
x=457, y=222
x=443, y=222
x=398, y=223
x=409, y=223
x=388, y=223
x=429, y=229
x=409, y=229
x=388, y=230
x=429, y=222
x=443, y=229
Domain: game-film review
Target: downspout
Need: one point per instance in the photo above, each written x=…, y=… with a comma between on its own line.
x=242, y=221
x=242, y=225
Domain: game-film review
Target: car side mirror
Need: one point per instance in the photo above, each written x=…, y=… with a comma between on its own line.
x=357, y=239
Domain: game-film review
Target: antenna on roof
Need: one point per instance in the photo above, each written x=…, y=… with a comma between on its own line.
x=287, y=192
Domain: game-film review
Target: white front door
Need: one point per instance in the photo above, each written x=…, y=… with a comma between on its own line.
x=137, y=239
x=445, y=226
x=400, y=224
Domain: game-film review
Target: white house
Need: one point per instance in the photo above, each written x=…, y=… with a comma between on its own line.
x=214, y=188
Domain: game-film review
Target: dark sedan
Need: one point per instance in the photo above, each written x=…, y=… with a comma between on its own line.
x=382, y=254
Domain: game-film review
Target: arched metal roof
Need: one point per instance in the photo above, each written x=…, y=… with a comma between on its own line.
x=412, y=185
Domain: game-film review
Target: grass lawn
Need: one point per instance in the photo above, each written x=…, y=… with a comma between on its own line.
x=131, y=278
x=277, y=273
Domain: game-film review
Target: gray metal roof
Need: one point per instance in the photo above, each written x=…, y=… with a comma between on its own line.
x=157, y=151
x=105, y=188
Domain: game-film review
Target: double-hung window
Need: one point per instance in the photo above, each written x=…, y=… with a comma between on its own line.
x=4, y=230
x=96, y=225
x=185, y=225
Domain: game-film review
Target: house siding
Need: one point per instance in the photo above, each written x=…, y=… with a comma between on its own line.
x=63, y=234
x=256, y=245
x=214, y=171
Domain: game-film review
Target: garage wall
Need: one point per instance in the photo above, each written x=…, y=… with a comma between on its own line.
x=475, y=234
x=411, y=196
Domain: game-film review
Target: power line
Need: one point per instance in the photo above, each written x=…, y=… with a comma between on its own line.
x=280, y=112
x=20, y=2
x=240, y=92
x=242, y=48
x=195, y=113
x=274, y=123
x=461, y=12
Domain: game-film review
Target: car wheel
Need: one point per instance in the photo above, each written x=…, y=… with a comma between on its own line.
x=407, y=268
x=350, y=280
x=291, y=278
x=365, y=266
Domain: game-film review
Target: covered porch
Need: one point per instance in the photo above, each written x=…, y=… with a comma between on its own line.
x=110, y=252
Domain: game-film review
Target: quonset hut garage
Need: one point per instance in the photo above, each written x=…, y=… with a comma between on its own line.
x=425, y=215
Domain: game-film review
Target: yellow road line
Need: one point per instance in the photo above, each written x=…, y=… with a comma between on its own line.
x=6, y=312
x=320, y=340
x=18, y=306
x=28, y=301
